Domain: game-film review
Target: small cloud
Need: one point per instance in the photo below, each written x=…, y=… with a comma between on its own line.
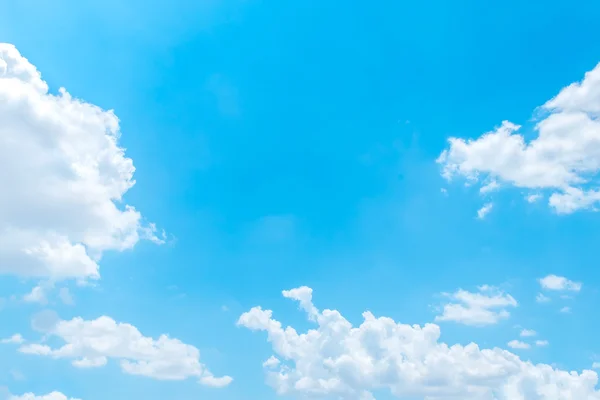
x=541, y=298
x=484, y=211
x=215, y=382
x=541, y=343
x=486, y=307
x=559, y=283
x=490, y=187
x=528, y=333
x=565, y=310
x=37, y=295
x=14, y=339
x=532, y=198
x=271, y=362
x=444, y=191
x=596, y=365
x=517, y=344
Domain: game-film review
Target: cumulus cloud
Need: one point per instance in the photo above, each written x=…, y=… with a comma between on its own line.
x=65, y=177
x=562, y=159
x=559, y=283
x=339, y=360
x=90, y=344
x=486, y=307
x=49, y=396
x=542, y=343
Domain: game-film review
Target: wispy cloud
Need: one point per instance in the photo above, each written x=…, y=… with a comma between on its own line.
x=484, y=211
x=486, y=307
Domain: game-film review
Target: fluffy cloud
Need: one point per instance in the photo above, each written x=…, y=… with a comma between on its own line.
x=338, y=360
x=564, y=157
x=90, y=344
x=49, y=396
x=486, y=307
x=542, y=343
x=65, y=176
x=560, y=283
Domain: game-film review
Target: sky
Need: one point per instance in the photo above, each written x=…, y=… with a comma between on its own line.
x=241, y=199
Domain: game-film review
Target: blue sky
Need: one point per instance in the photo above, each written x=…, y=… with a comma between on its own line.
x=286, y=144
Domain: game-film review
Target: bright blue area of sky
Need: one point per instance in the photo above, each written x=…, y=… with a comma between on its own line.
x=288, y=143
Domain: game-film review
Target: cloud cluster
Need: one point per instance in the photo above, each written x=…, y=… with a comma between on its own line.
x=339, y=360
x=486, y=307
x=563, y=159
x=90, y=344
x=63, y=182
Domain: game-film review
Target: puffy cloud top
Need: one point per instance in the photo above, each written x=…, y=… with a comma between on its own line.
x=63, y=178
x=338, y=360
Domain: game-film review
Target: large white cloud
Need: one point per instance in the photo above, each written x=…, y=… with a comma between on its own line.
x=338, y=360
x=63, y=178
x=563, y=158
x=49, y=396
x=90, y=344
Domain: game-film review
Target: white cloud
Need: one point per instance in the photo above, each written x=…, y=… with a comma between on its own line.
x=37, y=295
x=517, y=344
x=90, y=344
x=541, y=343
x=485, y=210
x=272, y=362
x=338, y=360
x=65, y=177
x=541, y=298
x=596, y=365
x=490, y=187
x=564, y=157
x=528, y=333
x=553, y=282
x=14, y=339
x=486, y=307
x=49, y=396
x=565, y=310
x=532, y=198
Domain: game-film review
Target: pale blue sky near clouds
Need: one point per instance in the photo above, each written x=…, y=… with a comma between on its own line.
x=283, y=145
